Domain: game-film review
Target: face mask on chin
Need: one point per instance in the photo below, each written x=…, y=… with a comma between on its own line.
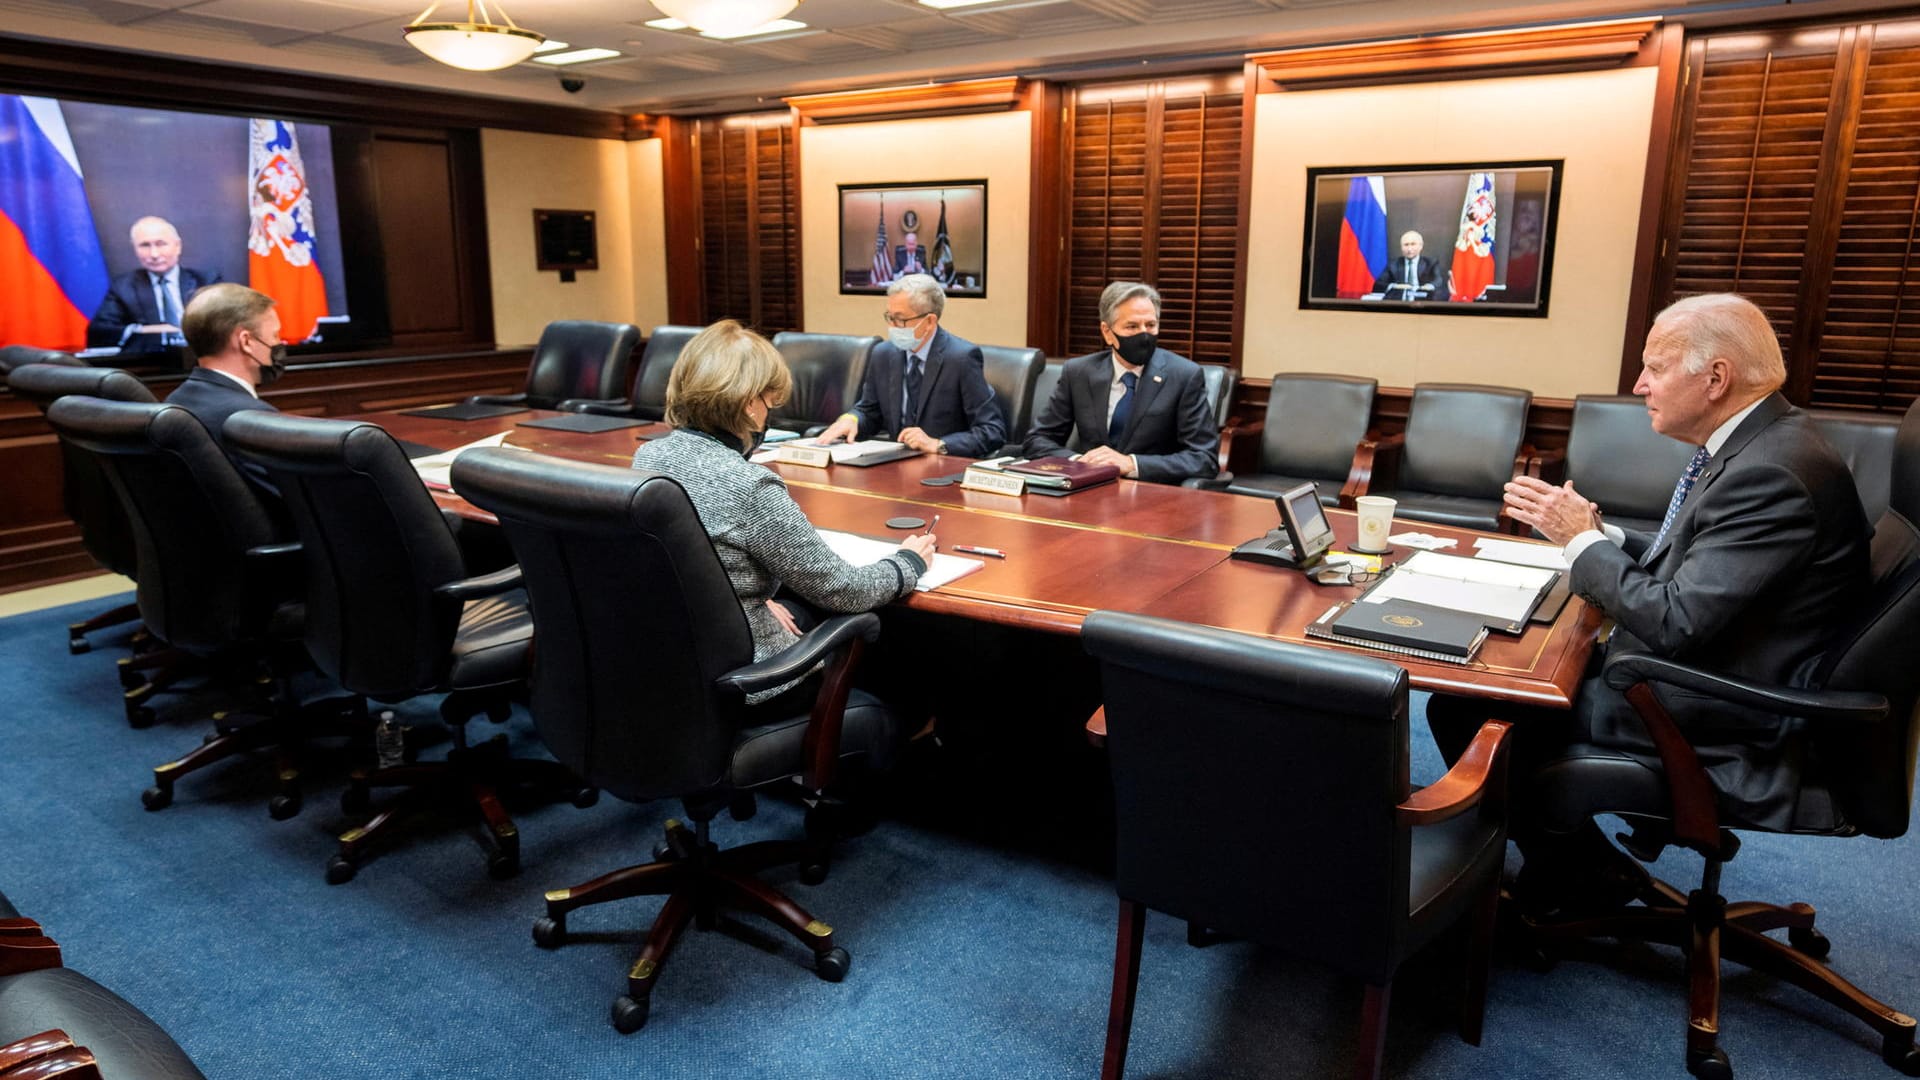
x=1136, y=349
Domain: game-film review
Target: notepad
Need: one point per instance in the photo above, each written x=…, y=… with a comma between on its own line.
x=865, y=550
x=437, y=471
x=1545, y=556
x=1502, y=593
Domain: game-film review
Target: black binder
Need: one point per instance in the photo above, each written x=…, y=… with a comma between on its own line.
x=1399, y=626
x=585, y=423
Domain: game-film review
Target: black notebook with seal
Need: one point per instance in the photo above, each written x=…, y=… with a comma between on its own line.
x=1404, y=627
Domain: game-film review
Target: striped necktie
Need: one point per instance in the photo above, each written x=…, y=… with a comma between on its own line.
x=1695, y=466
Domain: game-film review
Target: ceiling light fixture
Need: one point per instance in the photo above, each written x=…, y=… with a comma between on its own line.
x=479, y=44
x=577, y=56
x=734, y=18
x=777, y=26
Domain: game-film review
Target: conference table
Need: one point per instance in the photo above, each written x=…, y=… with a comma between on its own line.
x=1149, y=548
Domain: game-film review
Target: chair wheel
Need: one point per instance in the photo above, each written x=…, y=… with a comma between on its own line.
x=156, y=798
x=1713, y=1066
x=813, y=872
x=340, y=870
x=586, y=797
x=832, y=965
x=549, y=933
x=77, y=644
x=742, y=806
x=629, y=1015
x=499, y=712
x=1905, y=1057
x=282, y=807
x=129, y=677
x=356, y=799
x=501, y=866
x=663, y=852
x=1809, y=942
x=140, y=717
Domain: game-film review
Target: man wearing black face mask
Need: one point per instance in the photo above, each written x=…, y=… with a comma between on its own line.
x=234, y=333
x=1132, y=405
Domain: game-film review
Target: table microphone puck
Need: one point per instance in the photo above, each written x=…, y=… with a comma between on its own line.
x=906, y=523
x=939, y=481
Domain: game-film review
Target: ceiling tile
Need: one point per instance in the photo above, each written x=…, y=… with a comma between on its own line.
x=308, y=15
x=913, y=35
x=1038, y=21
x=814, y=49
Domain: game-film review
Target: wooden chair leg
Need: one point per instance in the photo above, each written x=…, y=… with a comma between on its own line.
x=1703, y=981
x=1373, y=1032
x=1128, y=940
x=1473, y=1004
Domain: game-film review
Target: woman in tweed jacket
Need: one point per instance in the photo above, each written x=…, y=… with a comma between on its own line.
x=724, y=384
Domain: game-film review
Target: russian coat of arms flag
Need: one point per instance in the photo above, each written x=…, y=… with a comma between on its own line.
x=280, y=239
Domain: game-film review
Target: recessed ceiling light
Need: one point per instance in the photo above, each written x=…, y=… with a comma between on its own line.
x=551, y=45
x=666, y=24
x=577, y=56
x=777, y=26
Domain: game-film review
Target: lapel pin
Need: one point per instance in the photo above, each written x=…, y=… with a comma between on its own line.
x=1157, y=378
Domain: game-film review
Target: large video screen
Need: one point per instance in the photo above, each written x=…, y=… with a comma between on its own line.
x=1473, y=239
x=891, y=230
x=110, y=217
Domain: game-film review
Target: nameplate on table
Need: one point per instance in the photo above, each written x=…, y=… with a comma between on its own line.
x=992, y=480
x=818, y=457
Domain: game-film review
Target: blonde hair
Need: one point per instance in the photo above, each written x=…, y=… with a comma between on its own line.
x=1724, y=325
x=723, y=369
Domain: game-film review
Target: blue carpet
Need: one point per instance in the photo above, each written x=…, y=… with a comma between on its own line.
x=973, y=955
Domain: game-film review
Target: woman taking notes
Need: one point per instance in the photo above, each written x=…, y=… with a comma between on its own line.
x=723, y=386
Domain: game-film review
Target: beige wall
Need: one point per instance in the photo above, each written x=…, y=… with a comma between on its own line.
x=620, y=182
x=1598, y=122
x=911, y=151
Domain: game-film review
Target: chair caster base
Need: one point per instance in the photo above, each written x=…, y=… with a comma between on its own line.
x=813, y=872
x=502, y=865
x=1710, y=1066
x=586, y=797
x=77, y=645
x=832, y=965
x=1809, y=942
x=282, y=807
x=140, y=717
x=157, y=798
x=341, y=870
x=1902, y=1055
x=549, y=933
x=630, y=1015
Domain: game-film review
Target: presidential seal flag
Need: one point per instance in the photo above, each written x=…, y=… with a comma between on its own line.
x=280, y=241
x=1473, y=252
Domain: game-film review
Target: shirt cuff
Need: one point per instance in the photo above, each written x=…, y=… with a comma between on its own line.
x=1579, y=544
x=1135, y=458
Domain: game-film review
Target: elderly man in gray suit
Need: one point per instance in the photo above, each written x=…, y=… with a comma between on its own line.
x=1762, y=556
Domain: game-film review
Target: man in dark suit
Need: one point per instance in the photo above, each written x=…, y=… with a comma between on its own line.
x=908, y=258
x=926, y=386
x=1411, y=269
x=1133, y=405
x=141, y=311
x=1761, y=558
x=234, y=333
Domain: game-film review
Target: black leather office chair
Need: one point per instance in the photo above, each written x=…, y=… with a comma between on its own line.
x=1043, y=386
x=1313, y=425
x=78, y=1022
x=1860, y=736
x=649, y=399
x=1260, y=791
x=640, y=685
x=1865, y=441
x=392, y=614
x=1615, y=458
x=827, y=369
x=1461, y=446
x=576, y=361
x=1012, y=372
x=213, y=579
x=18, y=356
x=1221, y=382
x=85, y=493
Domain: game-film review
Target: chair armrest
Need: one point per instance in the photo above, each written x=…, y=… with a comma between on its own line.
x=22, y=952
x=1376, y=465
x=597, y=406
x=1097, y=727
x=20, y=926
x=1228, y=433
x=1549, y=465
x=498, y=399
x=800, y=657
x=476, y=588
x=267, y=555
x=1830, y=706
x=1208, y=483
x=1480, y=774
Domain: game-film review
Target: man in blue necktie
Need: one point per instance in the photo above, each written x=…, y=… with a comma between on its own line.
x=1133, y=405
x=1412, y=272
x=142, y=309
x=1760, y=562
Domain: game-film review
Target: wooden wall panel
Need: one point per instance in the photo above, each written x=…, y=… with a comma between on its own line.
x=415, y=177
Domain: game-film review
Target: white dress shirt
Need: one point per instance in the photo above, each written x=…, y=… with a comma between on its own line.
x=240, y=382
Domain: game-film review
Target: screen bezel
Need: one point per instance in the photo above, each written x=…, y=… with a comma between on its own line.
x=1304, y=551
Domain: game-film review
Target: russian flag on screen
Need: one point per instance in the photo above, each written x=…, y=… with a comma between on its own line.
x=280, y=243
x=49, y=252
x=1472, y=268
x=1363, y=237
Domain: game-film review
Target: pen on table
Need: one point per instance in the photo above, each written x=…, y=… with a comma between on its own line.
x=989, y=552
x=931, y=525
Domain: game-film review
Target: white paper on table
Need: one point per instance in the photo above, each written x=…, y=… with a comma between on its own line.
x=1498, y=590
x=1421, y=540
x=1480, y=571
x=847, y=451
x=1514, y=551
x=864, y=551
x=436, y=470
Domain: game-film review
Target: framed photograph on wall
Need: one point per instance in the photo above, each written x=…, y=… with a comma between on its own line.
x=891, y=230
x=1468, y=239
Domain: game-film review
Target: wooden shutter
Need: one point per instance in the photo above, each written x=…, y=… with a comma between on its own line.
x=1154, y=196
x=749, y=210
x=1801, y=191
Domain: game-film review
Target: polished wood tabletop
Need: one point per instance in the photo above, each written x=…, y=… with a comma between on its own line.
x=1150, y=548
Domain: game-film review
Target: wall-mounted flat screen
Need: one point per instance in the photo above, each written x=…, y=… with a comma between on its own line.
x=1471, y=239
x=891, y=230
x=111, y=217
